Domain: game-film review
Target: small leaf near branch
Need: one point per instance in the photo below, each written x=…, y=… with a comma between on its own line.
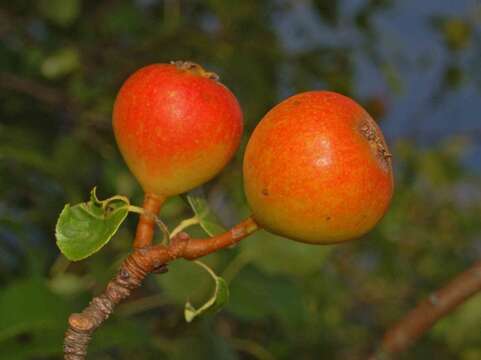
x=207, y=219
x=85, y=228
x=218, y=299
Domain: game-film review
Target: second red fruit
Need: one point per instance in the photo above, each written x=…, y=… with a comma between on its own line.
x=176, y=126
x=317, y=169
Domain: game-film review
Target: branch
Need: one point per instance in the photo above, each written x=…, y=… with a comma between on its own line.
x=145, y=259
x=81, y=326
x=428, y=312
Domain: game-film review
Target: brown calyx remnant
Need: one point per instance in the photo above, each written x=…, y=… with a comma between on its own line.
x=195, y=69
x=371, y=133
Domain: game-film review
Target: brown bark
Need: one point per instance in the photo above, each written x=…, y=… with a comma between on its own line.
x=135, y=268
x=131, y=273
x=419, y=320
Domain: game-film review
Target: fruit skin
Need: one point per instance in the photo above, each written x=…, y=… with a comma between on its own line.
x=317, y=169
x=176, y=126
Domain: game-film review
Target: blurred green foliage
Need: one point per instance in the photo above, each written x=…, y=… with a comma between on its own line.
x=61, y=64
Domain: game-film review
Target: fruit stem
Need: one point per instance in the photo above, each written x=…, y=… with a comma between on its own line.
x=145, y=227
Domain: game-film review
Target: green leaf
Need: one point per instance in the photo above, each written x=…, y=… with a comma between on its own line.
x=207, y=219
x=84, y=228
x=60, y=63
x=61, y=12
x=461, y=328
x=186, y=281
x=66, y=284
x=218, y=299
x=198, y=346
x=277, y=255
x=257, y=296
x=43, y=343
x=28, y=305
x=128, y=335
x=457, y=33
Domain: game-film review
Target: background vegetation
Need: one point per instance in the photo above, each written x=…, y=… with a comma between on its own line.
x=415, y=67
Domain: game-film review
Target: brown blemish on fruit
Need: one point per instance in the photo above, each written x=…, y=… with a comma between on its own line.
x=296, y=102
x=328, y=218
x=195, y=69
x=370, y=132
x=265, y=192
